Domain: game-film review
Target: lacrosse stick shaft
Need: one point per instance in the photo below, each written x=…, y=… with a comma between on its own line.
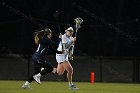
x=75, y=35
x=76, y=32
x=78, y=22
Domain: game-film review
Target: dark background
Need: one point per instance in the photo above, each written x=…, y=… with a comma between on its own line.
x=107, y=42
x=110, y=27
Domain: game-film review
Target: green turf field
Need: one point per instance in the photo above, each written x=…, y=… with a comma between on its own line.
x=62, y=87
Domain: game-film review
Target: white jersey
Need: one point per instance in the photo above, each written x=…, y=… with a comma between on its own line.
x=68, y=43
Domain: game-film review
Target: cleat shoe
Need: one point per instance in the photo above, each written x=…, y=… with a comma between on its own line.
x=37, y=78
x=54, y=70
x=73, y=87
x=26, y=86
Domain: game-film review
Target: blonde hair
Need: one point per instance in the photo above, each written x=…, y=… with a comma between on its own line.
x=40, y=34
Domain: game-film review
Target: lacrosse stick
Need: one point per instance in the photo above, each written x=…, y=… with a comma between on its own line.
x=78, y=22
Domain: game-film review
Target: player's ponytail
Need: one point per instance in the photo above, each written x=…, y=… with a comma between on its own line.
x=36, y=38
x=40, y=34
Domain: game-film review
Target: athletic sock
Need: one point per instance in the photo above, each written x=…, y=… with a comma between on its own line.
x=39, y=75
x=70, y=83
x=26, y=83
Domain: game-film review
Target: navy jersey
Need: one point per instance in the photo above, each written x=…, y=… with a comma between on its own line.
x=42, y=49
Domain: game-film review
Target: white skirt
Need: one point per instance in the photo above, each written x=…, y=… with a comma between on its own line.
x=61, y=58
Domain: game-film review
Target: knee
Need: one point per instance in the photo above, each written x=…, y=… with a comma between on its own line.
x=60, y=73
x=70, y=70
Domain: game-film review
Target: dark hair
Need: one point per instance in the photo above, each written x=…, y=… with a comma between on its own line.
x=40, y=34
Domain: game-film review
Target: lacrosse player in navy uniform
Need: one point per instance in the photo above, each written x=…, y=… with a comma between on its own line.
x=64, y=53
x=42, y=39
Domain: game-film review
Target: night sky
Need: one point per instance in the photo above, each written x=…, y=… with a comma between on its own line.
x=110, y=27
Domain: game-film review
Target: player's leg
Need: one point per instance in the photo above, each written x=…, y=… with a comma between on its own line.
x=60, y=69
x=54, y=70
x=47, y=69
x=69, y=70
x=26, y=85
x=60, y=58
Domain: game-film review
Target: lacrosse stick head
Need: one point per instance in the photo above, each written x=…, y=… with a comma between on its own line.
x=78, y=22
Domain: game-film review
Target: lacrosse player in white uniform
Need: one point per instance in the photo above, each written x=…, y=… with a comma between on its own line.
x=64, y=53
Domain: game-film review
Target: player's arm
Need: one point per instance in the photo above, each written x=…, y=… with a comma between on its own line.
x=71, y=42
